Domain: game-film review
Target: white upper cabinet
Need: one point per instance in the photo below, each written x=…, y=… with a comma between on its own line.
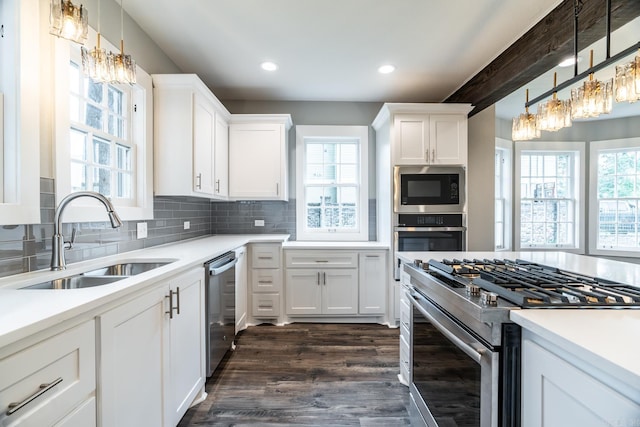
x=258, y=157
x=425, y=134
x=190, y=138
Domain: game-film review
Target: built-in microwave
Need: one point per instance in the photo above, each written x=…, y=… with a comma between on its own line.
x=428, y=189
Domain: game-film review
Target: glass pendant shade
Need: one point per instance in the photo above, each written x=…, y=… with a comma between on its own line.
x=593, y=98
x=98, y=64
x=554, y=114
x=124, y=67
x=525, y=126
x=68, y=21
x=626, y=83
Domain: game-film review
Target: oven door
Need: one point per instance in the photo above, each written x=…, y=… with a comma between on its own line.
x=455, y=377
x=426, y=239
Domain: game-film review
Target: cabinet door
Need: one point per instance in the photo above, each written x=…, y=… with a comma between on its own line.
x=133, y=340
x=221, y=158
x=373, y=283
x=448, y=136
x=186, y=372
x=303, y=291
x=411, y=139
x=556, y=393
x=204, y=117
x=339, y=291
x=257, y=164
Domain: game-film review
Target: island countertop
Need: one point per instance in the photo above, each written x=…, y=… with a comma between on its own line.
x=605, y=337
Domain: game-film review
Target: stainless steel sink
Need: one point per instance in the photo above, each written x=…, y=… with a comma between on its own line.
x=100, y=276
x=125, y=269
x=75, y=282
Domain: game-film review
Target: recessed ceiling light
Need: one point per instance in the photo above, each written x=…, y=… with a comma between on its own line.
x=386, y=69
x=568, y=62
x=269, y=66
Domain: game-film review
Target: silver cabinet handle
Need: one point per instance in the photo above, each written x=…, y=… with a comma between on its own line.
x=322, y=260
x=199, y=181
x=16, y=406
x=433, y=155
x=217, y=185
x=178, y=300
x=170, y=312
x=324, y=278
x=265, y=281
x=318, y=278
x=277, y=188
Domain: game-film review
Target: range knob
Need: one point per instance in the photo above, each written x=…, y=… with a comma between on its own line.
x=473, y=289
x=488, y=298
x=417, y=263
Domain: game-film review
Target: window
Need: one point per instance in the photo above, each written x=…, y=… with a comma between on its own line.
x=550, y=192
x=103, y=139
x=503, y=176
x=332, y=182
x=615, y=168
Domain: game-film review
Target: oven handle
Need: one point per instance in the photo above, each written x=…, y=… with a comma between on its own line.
x=472, y=352
x=429, y=229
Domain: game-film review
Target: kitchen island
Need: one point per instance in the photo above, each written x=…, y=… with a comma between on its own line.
x=579, y=365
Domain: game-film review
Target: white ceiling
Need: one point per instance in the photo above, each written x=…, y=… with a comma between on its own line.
x=329, y=50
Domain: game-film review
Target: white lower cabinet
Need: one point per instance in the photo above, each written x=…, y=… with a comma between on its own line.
x=327, y=291
x=372, y=292
x=556, y=392
x=152, y=354
x=52, y=382
x=241, y=289
x=266, y=280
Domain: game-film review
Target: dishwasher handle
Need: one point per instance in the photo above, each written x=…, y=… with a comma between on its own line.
x=219, y=270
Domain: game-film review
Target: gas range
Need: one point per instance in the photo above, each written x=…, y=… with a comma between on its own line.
x=480, y=293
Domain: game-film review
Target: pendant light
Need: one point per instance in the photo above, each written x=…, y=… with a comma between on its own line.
x=554, y=114
x=628, y=81
x=68, y=21
x=593, y=98
x=124, y=65
x=525, y=126
x=97, y=63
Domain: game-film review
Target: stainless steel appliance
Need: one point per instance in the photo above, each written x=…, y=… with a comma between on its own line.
x=220, y=309
x=427, y=232
x=465, y=351
x=428, y=189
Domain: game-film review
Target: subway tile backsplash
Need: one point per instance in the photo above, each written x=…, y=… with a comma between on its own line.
x=26, y=248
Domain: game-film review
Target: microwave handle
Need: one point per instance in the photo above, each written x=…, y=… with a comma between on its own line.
x=429, y=229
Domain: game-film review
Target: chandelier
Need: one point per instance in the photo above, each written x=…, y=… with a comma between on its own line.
x=68, y=21
x=525, y=126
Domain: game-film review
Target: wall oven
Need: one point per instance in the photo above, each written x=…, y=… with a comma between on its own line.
x=427, y=232
x=436, y=189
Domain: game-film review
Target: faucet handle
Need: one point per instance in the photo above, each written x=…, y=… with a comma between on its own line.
x=72, y=241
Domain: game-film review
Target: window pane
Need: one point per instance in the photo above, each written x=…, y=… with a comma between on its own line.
x=625, y=186
x=313, y=198
x=77, y=145
x=123, y=157
x=74, y=109
x=348, y=174
x=348, y=205
x=625, y=163
x=123, y=185
x=348, y=153
x=78, y=175
x=314, y=153
x=102, y=181
x=101, y=152
x=115, y=126
x=74, y=78
x=329, y=153
x=115, y=100
x=93, y=117
x=94, y=90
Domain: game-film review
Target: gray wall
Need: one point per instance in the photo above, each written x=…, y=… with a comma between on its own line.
x=480, y=181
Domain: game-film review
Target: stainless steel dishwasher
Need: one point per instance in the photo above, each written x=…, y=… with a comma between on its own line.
x=220, y=296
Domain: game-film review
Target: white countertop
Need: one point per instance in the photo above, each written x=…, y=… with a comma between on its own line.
x=608, y=338
x=26, y=312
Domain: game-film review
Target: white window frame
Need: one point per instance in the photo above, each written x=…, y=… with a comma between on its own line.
x=594, y=148
x=579, y=191
x=504, y=179
x=318, y=132
x=86, y=209
x=20, y=112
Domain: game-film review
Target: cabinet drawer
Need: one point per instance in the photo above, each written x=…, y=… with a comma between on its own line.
x=321, y=259
x=405, y=363
x=405, y=319
x=67, y=359
x=266, y=305
x=265, y=255
x=266, y=280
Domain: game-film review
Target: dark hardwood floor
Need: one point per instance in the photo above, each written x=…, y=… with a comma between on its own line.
x=306, y=374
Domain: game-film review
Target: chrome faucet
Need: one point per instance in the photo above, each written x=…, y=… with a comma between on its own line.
x=57, y=246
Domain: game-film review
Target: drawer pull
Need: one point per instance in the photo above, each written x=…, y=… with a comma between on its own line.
x=322, y=260
x=265, y=281
x=13, y=407
x=265, y=306
x=265, y=257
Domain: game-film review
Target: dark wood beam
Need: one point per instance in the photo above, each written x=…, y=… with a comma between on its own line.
x=550, y=41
